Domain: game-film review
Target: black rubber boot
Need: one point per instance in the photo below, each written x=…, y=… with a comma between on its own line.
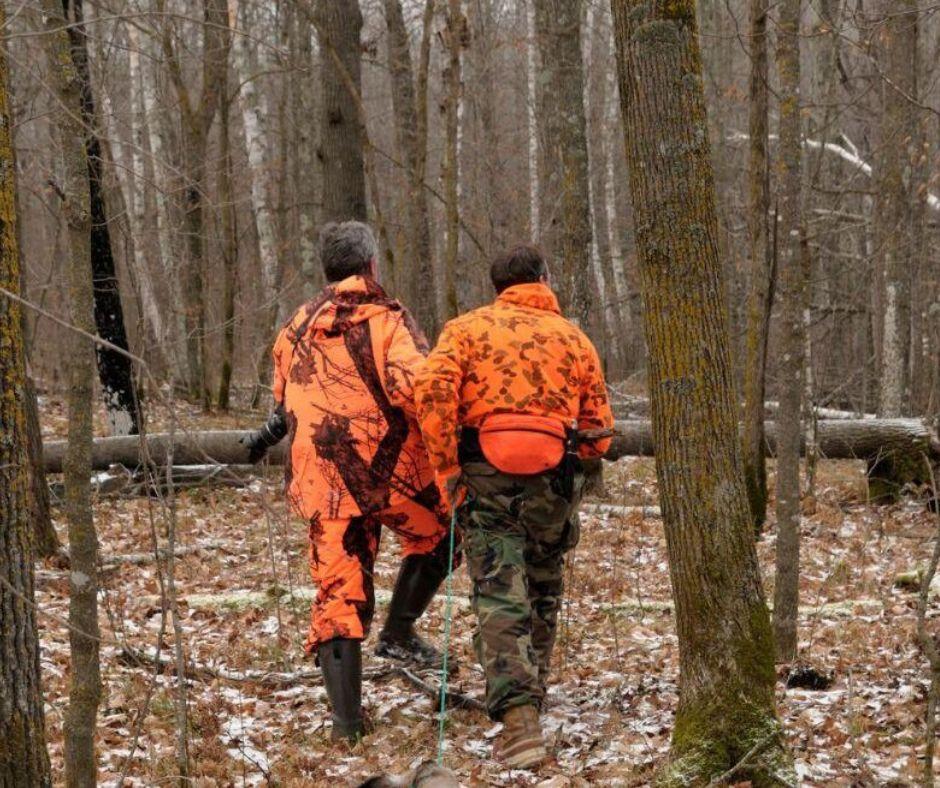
x=341, y=664
x=418, y=580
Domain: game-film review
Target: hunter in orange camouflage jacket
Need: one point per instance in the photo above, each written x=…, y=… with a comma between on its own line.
x=517, y=355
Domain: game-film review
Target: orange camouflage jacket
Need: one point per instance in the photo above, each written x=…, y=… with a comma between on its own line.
x=344, y=366
x=517, y=355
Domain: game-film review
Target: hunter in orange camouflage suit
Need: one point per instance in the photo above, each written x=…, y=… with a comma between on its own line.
x=510, y=400
x=343, y=382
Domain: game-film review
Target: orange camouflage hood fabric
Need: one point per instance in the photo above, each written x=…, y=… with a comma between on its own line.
x=343, y=369
x=517, y=355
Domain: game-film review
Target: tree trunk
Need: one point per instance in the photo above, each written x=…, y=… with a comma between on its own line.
x=450, y=167
x=760, y=290
x=726, y=669
x=45, y=539
x=198, y=114
x=114, y=368
x=306, y=176
x=897, y=45
x=793, y=296
x=411, y=140
x=23, y=756
x=85, y=681
x=162, y=216
x=531, y=51
x=130, y=175
x=260, y=164
x=565, y=209
x=340, y=151
x=613, y=310
x=229, y=256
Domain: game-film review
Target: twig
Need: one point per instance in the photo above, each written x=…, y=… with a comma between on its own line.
x=455, y=699
x=758, y=747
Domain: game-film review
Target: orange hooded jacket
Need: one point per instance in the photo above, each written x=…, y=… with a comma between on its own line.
x=343, y=369
x=517, y=355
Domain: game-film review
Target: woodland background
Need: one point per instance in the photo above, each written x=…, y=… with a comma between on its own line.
x=186, y=153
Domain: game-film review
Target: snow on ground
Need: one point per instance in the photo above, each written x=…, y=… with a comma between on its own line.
x=614, y=690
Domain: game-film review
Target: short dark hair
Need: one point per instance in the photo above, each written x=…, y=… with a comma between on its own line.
x=346, y=249
x=522, y=264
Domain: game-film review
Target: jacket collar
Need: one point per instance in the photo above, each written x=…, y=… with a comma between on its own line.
x=359, y=290
x=535, y=295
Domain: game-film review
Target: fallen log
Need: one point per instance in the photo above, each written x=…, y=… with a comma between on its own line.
x=893, y=448
x=612, y=510
x=300, y=598
x=209, y=447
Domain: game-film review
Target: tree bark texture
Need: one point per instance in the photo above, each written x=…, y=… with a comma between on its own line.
x=23, y=756
x=261, y=172
x=726, y=668
x=307, y=172
x=792, y=287
x=760, y=286
x=85, y=680
x=613, y=310
x=45, y=539
x=894, y=176
x=229, y=256
x=340, y=151
x=115, y=371
x=198, y=114
x=450, y=166
x=565, y=204
x=411, y=140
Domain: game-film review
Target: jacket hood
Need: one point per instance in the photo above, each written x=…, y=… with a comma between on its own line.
x=535, y=295
x=355, y=299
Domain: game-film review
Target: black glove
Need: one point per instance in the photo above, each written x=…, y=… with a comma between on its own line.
x=259, y=441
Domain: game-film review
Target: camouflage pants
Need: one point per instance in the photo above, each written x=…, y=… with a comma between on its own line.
x=516, y=532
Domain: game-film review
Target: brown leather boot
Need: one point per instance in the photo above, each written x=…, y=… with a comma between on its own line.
x=520, y=745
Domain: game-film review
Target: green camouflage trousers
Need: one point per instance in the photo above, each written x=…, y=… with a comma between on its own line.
x=516, y=532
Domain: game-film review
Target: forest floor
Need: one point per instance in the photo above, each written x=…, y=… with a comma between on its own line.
x=613, y=690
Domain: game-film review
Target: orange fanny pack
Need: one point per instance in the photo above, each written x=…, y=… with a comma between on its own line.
x=522, y=445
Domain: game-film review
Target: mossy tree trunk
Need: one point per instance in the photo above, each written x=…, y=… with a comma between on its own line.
x=726, y=667
x=760, y=286
x=793, y=288
x=23, y=756
x=85, y=680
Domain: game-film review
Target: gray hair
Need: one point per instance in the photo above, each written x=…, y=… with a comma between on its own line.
x=346, y=249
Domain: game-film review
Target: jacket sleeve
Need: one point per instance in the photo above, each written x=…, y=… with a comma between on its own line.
x=437, y=397
x=281, y=354
x=404, y=357
x=595, y=412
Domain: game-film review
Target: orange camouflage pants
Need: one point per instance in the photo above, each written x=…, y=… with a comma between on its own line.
x=342, y=558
